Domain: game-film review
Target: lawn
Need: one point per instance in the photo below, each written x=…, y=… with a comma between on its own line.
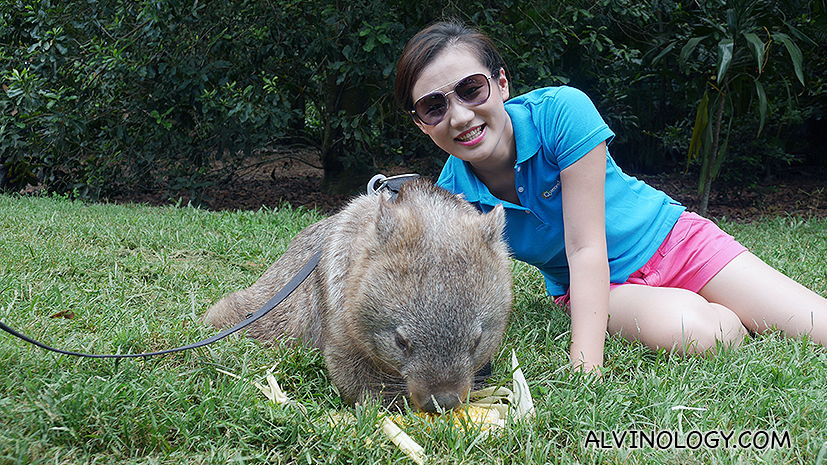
x=111, y=278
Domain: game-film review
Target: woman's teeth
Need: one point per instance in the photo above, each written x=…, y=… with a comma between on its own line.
x=471, y=135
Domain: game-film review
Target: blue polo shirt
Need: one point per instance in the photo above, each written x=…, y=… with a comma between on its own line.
x=554, y=127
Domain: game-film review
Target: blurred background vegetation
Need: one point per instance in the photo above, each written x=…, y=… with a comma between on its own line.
x=102, y=96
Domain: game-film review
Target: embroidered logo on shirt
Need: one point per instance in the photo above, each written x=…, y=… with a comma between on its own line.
x=547, y=194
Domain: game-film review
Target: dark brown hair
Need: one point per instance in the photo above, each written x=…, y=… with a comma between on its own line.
x=426, y=45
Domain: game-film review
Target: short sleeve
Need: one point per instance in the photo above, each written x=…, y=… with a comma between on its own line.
x=571, y=126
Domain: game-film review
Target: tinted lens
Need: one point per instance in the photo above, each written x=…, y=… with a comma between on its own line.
x=431, y=108
x=472, y=90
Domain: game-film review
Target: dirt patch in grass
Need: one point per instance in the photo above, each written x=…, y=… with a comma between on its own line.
x=295, y=178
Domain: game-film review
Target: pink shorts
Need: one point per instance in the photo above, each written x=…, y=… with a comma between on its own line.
x=691, y=255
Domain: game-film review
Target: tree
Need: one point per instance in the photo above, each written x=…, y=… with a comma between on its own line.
x=100, y=96
x=735, y=47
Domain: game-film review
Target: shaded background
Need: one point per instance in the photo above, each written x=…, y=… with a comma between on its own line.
x=160, y=99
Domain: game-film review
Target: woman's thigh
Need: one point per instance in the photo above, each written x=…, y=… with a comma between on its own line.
x=763, y=298
x=674, y=319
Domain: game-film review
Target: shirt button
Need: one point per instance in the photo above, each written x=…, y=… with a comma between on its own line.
x=520, y=190
x=519, y=168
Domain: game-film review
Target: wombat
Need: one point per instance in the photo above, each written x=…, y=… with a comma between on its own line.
x=409, y=300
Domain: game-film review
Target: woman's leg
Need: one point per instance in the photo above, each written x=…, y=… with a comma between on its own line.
x=670, y=318
x=764, y=298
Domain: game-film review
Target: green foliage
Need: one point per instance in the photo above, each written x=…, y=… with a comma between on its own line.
x=101, y=96
x=733, y=61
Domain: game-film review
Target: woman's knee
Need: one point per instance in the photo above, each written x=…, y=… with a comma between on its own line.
x=674, y=319
x=709, y=326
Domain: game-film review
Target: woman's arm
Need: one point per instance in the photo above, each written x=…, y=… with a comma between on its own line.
x=584, y=223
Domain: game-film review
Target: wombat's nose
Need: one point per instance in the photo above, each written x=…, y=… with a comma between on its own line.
x=440, y=402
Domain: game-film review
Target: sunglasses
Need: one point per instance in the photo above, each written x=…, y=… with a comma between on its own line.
x=472, y=90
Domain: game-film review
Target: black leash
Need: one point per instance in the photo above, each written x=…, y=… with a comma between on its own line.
x=271, y=304
x=379, y=183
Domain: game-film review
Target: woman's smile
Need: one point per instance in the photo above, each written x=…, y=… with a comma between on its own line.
x=480, y=133
x=472, y=136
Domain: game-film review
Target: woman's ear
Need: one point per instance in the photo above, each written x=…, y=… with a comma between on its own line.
x=502, y=84
x=420, y=125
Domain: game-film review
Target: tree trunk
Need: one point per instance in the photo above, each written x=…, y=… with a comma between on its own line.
x=709, y=172
x=704, y=203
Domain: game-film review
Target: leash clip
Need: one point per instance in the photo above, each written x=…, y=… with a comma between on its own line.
x=391, y=184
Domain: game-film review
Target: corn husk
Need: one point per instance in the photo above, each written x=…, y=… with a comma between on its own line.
x=523, y=403
x=487, y=410
x=403, y=441
x=273, y=392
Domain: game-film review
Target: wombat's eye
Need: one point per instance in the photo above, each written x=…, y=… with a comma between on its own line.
x=401, y=342
x=476, y=343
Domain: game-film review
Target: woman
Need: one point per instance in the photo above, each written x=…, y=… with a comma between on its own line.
x=622, y=254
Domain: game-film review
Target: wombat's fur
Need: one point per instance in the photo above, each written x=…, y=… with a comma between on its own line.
x=410, y=297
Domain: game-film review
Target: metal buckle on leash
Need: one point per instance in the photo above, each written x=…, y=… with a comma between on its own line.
x=392, y=184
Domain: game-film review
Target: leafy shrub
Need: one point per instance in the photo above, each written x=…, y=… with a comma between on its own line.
x=134, y=93
x=101, y=96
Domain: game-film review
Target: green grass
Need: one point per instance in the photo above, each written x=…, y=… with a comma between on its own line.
x=138, y=278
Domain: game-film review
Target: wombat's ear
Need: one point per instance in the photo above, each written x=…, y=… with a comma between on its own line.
x=493, y=224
